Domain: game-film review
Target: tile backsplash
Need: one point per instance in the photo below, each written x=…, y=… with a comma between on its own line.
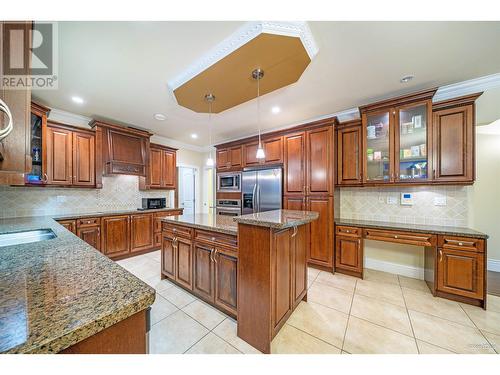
x=371, y=204
x=118, y=193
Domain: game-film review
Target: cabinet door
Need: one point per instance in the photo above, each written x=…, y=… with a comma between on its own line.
x=204, y=273
x=454, y=144
x=273, y=149
x=91, y=235
x=59, y=156
x=281, y=288
x=168, y=256
x=169, y=169
x=300, y=244
x=183, y=262
x=249, y=154
x=83, y=159
x=377, y=140
x=412, y=140
x=226, y=276
x=349, y=254
x=69, y=225
x=141, y=232
x=223, y=159
x=461, y=273
x=349, y=156
x=127, y=153
x=295, y=165
x=320, y=161
x=294, y=203
x=155, y=168
x=116, y=235
x=235, y=156
x=321, y=234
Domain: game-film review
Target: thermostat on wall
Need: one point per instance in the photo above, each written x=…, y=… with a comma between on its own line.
x=406, y=199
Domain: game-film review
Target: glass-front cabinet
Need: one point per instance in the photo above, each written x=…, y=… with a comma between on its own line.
x=396, y=141
x=37, y=175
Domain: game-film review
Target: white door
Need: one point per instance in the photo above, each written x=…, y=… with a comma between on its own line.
x=187, y=189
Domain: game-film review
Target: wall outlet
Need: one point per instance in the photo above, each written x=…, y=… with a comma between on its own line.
x=61, y=198
x=439, y=201
x=392, y=200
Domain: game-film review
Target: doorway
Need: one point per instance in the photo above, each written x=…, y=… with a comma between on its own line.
x=187, y=189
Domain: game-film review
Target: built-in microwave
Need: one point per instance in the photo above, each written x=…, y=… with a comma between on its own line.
x=228, y=182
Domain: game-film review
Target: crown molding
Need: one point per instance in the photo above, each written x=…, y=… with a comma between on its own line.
x=69, y=118
x=348, y=114
x=243, y=35
x=161, y=140
x=463, y=88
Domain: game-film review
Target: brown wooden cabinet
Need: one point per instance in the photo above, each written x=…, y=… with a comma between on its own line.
x=184, y=262
x=204, y=271
x=273, y=150
x=349, y=255
x=69, y=225
x=349, y=162
x=300, y=245
x=320, y=158
x=155, y=170
x=91, y=235
x=294, y=203
x=141, y=232
x=59, y=156
x=229, y=158
x=321, y=232
x=162, y=170
x=226, y=275
x=83, y=159
x=295, y=164
x=116, y=235
x=168, y=255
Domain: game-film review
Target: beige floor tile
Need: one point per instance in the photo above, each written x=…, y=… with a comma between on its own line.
x=381, y=277
x=485, y=320
x=363, y=337
x=149, y=269
x=493, y=339
x=416, y=284
x=204, y=314
x=177, y=296
x=382, y=313
x=313, y=272
x=329, y=296
x=158, y=284
x=133, y=262
x=155, y=255
x=436, y=306
x=426, y=348
x=160, y=309
x=227, y=331
x=493, y=303
x=344, y=352
x=448, y=335
x=291, y=340
x=175, y=334
x=337, y=280
x=382, y=291
x=320, y=321
x=212, y=344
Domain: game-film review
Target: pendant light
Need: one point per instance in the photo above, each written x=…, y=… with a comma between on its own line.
x=210, y=98
x=257, y=74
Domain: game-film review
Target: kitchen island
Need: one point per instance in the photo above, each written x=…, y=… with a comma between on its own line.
x=62, y=295
x=252, y=267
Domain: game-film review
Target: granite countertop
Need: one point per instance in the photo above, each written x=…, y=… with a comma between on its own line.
x=278, y=219
x=421, y=228
x=110, y=213
x=58, y=292
x=212, y=222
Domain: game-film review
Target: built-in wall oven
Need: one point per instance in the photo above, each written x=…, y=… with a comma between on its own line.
x=228, y=182
x=228, y=207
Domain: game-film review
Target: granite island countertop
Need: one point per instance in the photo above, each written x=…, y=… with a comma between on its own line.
x=211, y=222
x=421, y=228
x=58, y=292
x=278, y=219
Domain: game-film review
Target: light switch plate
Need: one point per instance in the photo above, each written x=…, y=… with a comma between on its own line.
x=392, y=200
x=439, y=201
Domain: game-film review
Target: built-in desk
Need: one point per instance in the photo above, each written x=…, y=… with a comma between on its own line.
x=455, y=258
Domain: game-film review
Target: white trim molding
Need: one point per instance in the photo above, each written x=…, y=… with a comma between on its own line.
x=467, y=87
x=243, y=35
x=493, y=265
x=395, y=268
x=69, y=118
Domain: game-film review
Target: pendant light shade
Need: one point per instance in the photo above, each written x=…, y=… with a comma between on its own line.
x=210, y=161
x=210, y=98
x=257, y=74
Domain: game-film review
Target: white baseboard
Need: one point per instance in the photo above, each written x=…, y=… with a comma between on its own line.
x=493, y=265
x=398, y=269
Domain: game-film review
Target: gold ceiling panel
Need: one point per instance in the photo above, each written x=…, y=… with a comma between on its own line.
x=282, y=58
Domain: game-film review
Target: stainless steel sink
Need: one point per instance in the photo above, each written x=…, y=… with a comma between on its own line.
x=17, y=238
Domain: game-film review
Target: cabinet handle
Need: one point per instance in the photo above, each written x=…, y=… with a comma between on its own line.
x=359, y=241
x=212, y=255
x=215, y=254
x=440, y=255
x=45, y=178
x=294, y=231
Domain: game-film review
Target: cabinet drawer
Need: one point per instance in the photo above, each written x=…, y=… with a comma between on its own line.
x=418, y=239
x=177, y=230
x=88, y=222
x=216, y=238
x=347, y=231
x=461, y=243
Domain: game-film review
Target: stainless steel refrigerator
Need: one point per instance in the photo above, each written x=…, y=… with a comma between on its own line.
x=261, y=190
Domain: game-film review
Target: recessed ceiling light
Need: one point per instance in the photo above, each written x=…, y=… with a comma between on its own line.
x=406, y=79
x=276, y=109
x=160, y=116
x=194, y=135
x=77, y=99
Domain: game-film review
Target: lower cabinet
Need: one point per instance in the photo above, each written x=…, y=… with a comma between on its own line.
x=349, y=255
x=226, y=265
x=461, y=273
x=299, y=266
x=141, y=232
x=116, y=234
x=91, y=235
x=183, y=262
x=321, y=236
x=168, y=256
x=69, y=225
x=204, y=271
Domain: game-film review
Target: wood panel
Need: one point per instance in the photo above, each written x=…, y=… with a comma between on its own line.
x=59, y=156
x=236, y=156
x=249, y=154
x=141, y=232
x=294, y=203
x=83, y=159
x=91, y=235
x=226, y=276
x=169, y=169
x=204, y=272
x=183, y=262
x=168, y=256
x=155, y=168
x=295, y=164
x=349, y=254
x=281, y=255
x=273, y=149
x=223, y=159
x=349, y=155
x=320, y=161
x=321, y=237
x=300, y=247
x=69, y=225
x=408, y=238
x=116, y=235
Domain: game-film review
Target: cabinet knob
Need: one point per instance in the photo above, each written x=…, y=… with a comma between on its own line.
x=348, y=231
x=395, y=236
x=460, y=244
x=174, y=230
x=213, y=238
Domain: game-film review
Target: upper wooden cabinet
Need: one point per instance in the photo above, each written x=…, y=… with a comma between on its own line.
x=295, y=163
x=229, y=158
x=273, y=150
x=162, y=171
x=349, y=154
x=124, y=149
x=59, y=156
